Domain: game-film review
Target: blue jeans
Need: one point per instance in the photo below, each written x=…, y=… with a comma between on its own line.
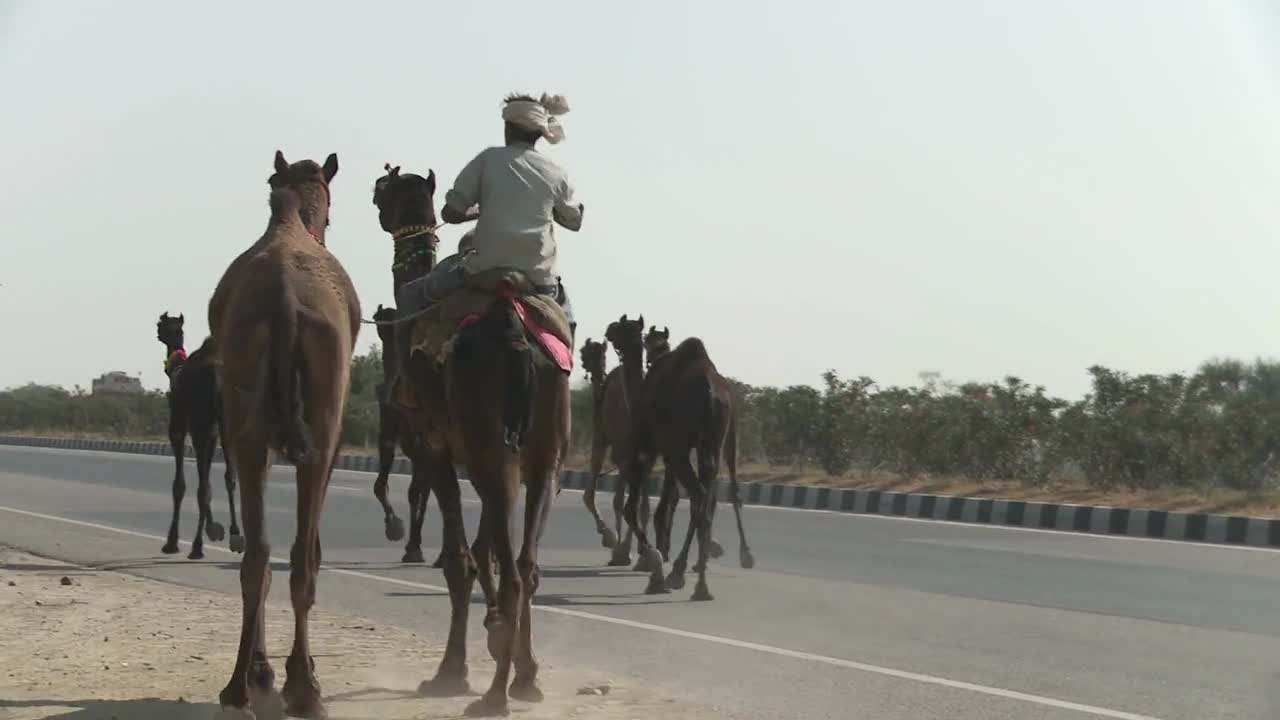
x=446, y=277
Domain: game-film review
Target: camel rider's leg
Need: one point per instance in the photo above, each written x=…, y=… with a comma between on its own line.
x=413, y=298
x=563, y=298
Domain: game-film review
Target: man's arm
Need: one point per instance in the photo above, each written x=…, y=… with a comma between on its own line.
x=460, y=203
x=567, y=211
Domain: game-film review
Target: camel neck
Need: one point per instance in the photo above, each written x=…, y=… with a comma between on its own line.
x=632, y=377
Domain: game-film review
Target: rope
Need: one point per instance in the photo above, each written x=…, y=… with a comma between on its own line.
x=398, y=321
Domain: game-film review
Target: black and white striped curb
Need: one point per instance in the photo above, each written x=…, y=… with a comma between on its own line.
x=1092, y=519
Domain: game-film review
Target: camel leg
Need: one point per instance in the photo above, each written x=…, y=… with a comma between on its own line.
x=417, y=485
x=637, y=474
x=704, y=515
x=598, y=448
x=664, y=516
x=501, y=484
x=481, y=551
x=388, y=432
x=745, y=558
x=682, y=472
x=622, y=550
x=460, y=574
x=646, y=562
x=178, y=441
x=204, y=439
x=252, y=668
x=236, y=541
x=538, y=499
x=301, y=691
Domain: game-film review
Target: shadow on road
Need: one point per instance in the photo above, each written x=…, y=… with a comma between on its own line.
x=141, y=709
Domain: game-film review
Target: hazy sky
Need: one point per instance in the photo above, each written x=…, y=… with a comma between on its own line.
x=977, y=188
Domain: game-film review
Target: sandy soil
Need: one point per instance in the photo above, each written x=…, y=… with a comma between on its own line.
x=101, y=645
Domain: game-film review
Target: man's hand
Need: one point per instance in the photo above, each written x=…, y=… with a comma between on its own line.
x=454, y=217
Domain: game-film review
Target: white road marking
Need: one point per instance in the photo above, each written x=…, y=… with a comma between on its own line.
x=675, y=632
x=836, y=513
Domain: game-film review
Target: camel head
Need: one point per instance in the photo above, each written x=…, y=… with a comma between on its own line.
x=169, y=331
x=386, y=333
x=627, y=338
x=594, y=359
x=311, y=182
x=656, y=343
x=405, y=202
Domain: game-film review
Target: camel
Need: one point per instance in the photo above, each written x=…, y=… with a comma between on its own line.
x=490, y=398
x=406, y=211
x=195, y=409
x=683, y=406
x=284, y=319
x=609, y=431
x=657, y=343
x=392, y=429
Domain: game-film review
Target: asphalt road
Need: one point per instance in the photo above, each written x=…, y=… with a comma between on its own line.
x=844, y=616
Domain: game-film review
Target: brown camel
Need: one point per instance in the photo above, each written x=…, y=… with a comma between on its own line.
x=406, y=211
x=657, y=343
x=284, y=320
x=610, y=431
x=393, y=428
x=490, y=399
x=684, y=406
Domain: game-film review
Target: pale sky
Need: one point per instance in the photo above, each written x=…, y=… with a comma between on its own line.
x=881, y=188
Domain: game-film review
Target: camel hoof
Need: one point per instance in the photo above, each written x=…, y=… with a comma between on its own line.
x=746, y=559
x=715, y=550
x=608, y=538
x=413, y=555
x=262, y=677
x=675, y=580
x=306, y=704
x=214, y=531
x=438, y=563
x=394, y=529
x=526, y=691
x=499, y=639
x=445, y=686
x=657, y=586
x=617, y=560
x=236, y=543
x=701, y=594
x=197, y=553
x=650, y=561
x=489, y=706
x=170, y=548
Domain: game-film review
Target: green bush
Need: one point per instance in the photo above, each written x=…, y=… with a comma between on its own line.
x=1218, y=427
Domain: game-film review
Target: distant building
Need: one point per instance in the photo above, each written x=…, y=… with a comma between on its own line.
x=117, y=383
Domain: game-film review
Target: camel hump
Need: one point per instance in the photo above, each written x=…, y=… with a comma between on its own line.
x=284, y=202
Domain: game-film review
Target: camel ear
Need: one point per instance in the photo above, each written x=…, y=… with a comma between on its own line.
x=330, y=167
x=431, y=179
x=623, y=319
x=281, y=165
x=666, y=330
x=641, y=321
x=164, y=315
x=588, y=342
x=379, y=309
x=181, y=319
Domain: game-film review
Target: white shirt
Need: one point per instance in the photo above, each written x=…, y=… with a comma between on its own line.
x=522, y=194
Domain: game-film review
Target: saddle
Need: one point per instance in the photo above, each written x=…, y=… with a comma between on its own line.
x=545, y=322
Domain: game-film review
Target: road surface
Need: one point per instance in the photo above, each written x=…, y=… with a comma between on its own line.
x=844, y=616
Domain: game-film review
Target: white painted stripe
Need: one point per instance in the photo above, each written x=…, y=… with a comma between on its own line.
x=999, y=512
x=913, y=505
x=1100, y=520
x=969, y=511
x=788, y=495
x=1256, y=533
x=1040, y=700
x=811, y=498
x=940, y=507
x=1175, y=526
x=1138, y=520
x=1215, y=529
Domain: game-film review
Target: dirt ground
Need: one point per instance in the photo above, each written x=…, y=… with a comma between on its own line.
x=107, y=646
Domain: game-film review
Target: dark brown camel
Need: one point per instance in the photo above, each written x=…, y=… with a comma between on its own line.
x=284, y=319
x=657, y=343
x=684, y=406
x=195, y=408
x=393, y=429
x=406, y=211
x=610, y=425
x=499, y=408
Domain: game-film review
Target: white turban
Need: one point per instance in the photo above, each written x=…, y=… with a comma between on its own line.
x=538, y=115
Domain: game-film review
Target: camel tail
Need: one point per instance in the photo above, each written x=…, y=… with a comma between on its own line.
x=517, y=357
x=731, y=459
x=284, y=379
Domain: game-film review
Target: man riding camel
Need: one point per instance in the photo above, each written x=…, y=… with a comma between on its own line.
x=521, y=195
